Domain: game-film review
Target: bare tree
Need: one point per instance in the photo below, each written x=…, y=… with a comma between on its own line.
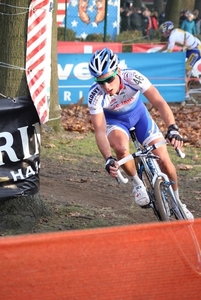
x=172, y=11
x=137, y=3
x=20, y=214
x=198, y=6
x=188, y=4
x=159, y=6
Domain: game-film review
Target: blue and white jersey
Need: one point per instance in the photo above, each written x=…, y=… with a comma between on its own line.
x=132, y=83
x=183, y=38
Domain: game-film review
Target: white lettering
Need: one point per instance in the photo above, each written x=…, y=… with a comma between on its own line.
x=80, y=71
x=15, y=175
x=29, y=172
x=25, y=141
x=63, y=74
x=37, y=167
x=7, y=148
x=37, y=137
x=67, y=96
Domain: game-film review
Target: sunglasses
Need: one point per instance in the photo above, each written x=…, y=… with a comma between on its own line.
x=108, y=79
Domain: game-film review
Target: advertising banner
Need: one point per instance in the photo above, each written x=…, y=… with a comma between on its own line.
x=151, y=47
x=19, y=148
x=165, y=70
x=87, y=47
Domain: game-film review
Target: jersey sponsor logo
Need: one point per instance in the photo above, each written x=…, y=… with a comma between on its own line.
x=122, y=103
x=113, y=101
x=93, y=93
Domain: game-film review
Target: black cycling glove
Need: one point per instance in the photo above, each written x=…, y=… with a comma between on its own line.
x=109, y=162
x=173, y=133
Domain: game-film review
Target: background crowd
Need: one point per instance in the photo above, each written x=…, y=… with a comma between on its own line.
x=148, y=21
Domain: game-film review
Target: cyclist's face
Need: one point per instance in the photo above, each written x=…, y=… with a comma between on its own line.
x=165, y=34
x=110, y=82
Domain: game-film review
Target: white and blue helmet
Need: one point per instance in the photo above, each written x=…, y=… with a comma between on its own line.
x=166, y=27
x=102, y=62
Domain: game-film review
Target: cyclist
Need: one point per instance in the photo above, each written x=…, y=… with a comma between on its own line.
x=115, y=106
x=188, y=42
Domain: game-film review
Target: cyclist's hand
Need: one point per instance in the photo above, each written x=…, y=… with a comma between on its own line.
x=111, y=166
x=174, y=137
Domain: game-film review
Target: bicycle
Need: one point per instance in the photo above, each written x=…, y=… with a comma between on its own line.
x=194, y=86
x=165, y=205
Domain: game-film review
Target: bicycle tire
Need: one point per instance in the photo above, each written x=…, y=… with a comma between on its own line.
x=146, y=181
x=195, y=94
x=164, y=202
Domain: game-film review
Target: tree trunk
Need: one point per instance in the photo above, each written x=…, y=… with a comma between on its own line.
x=55, y=110
x=159, y=6
x=172, y=11
x=198, y=6
x=20, y=214
x=137, y=3
x=13, y=49
x=188, y=4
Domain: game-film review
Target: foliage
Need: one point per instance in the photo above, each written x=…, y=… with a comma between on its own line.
x=93, y=37
x=127, y=38
x=65, y=34
x=130, y=37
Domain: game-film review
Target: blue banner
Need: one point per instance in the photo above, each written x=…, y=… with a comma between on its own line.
x=166, y=71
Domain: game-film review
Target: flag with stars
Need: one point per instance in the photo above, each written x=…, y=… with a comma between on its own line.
x=87, y=17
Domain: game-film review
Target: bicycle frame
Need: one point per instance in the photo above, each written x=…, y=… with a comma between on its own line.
x=162, y=198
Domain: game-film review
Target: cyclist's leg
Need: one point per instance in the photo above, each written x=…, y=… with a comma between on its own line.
x=118, y=137
x=192, y=56
x=118, y=126
x=148, y=133
x=119, y=141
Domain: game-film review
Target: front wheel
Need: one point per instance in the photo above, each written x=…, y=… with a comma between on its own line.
x=168, y=207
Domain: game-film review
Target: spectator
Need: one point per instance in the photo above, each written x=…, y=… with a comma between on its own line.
x=124, y=14
x=161, y=18
x=135, y=20
x=197, y=21
x=154, y=22
x=189, y=24
x=146, y=23
x=182, y=17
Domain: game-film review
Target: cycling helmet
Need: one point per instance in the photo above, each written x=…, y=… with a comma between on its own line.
x=166, y=28
x=102, y=62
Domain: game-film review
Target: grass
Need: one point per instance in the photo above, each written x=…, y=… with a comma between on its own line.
x=82, y=145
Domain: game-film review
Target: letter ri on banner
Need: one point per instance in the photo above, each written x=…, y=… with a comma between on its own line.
x=38, y=55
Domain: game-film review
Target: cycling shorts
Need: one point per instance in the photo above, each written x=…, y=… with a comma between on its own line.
x=139, y=117
x=192, y=56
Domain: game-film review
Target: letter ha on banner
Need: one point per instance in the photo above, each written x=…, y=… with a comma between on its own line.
x=38, y=55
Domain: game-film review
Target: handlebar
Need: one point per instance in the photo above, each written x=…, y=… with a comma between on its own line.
x=180, y=153
x=144, y=152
